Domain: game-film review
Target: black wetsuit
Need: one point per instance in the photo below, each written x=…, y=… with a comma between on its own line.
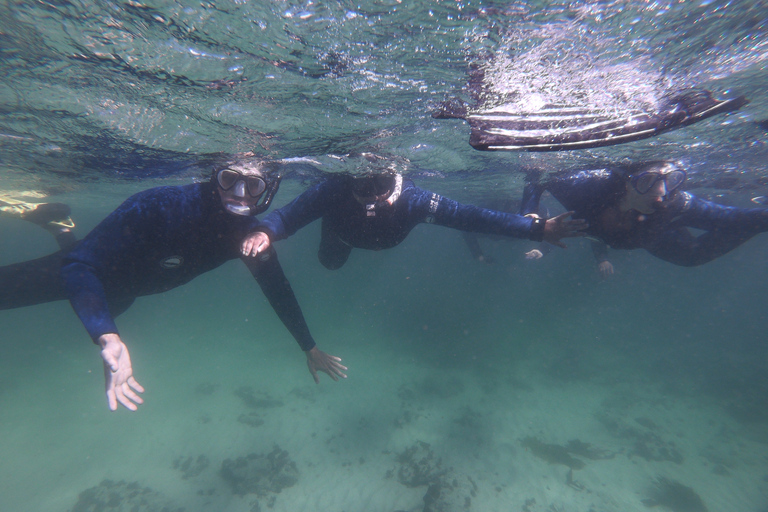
x=155, y=241
x=346, y=223
x=594, y=195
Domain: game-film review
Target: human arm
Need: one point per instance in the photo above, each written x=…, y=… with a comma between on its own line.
x=450, y=213
x=118, y=373
x=600, y=251
x=86, y=295
x=473, y=244
x=304, y=209
x=270, y=276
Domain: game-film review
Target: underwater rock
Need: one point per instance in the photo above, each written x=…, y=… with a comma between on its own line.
x=205, y=388
x=191, y=467
x=552, y=453
x=648, y=443
x=586, y=450
x=418, y=466
x=674, y=496
x=120, y=496
x=250, y=398
x=260, y=474
x=447, y=491
x=450, y=495
x=251, y=419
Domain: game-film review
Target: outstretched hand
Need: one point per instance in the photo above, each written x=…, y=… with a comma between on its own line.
x=254, y=243
x=605, y=268
x=562, y=226
x=118, y=373
x=317, y=360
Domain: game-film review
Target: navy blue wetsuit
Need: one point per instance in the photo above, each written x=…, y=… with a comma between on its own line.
x=155, y=241
x=594, y=195
x=346, y=223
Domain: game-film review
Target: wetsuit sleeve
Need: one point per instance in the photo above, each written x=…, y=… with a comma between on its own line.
x=449, y=213
x=270, y=276
x=306, y=208
x=473, y=244
x=86, y=295
x=600, y=250
x=702, y=214
x=531, y=198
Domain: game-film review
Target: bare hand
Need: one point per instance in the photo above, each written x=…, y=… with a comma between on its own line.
x=254, y=243
x=563, y=227
x=486, y=259
x=118, y=373
x=534, y=254
x=317, y=360
x=605, y=268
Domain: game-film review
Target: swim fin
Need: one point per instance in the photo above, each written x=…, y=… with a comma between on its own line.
x=563, y=127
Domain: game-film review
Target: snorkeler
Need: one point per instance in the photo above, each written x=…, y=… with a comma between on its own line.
x=53, y=217
x=157, y=240
x=643, y=207
x=377, y=211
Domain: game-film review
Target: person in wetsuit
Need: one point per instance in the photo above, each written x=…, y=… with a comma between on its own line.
x=378, y=211
x=157, y=240
x=644, y=207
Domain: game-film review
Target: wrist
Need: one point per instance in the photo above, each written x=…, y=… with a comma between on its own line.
x=538, y=226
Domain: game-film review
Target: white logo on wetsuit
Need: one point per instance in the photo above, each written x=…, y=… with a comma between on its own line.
x=434, y=201
x=172, y=262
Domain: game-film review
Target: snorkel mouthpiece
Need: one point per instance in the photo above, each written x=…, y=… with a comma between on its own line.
x=238, y=209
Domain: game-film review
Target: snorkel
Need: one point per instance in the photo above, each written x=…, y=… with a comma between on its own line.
x=371, y=195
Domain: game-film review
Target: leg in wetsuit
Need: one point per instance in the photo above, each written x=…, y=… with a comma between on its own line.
x=38, y=281
x=333, y=252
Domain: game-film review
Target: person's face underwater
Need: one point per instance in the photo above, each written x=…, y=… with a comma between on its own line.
x=647, y=190
x=240, y=188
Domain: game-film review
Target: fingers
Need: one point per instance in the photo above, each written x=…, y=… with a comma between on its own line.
x=255, y=244
x=330, y=365
x=248, y=247
x=111, y=399
x=335, y=371
x=128, y=394
x=135, y=385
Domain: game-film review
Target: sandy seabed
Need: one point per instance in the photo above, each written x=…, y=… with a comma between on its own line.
x=233, y=430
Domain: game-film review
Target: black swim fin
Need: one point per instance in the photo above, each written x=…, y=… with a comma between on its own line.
x=563, y=127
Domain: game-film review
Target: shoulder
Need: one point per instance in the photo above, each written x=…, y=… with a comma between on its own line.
x=167, y=193
x=173, y=198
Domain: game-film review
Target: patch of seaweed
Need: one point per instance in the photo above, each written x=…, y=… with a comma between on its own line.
x=419, y=466
x=674, y=496
x=191, y=467
x=256, y=400
x=111, y=496
x=260, y=474
x=586, y=450
x=552, y=453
